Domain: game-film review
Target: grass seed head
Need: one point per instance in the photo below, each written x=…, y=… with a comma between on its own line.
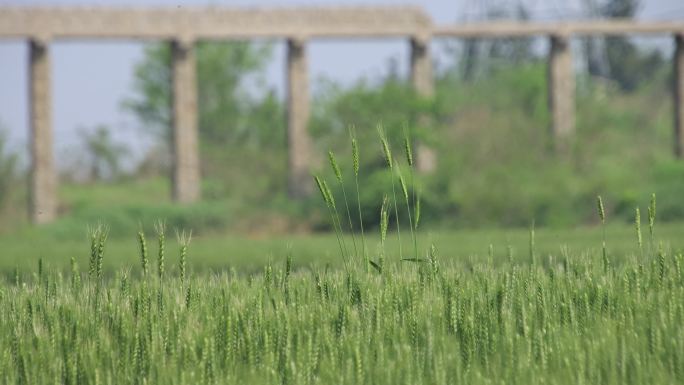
x=183, y=242
x=601, y=210
x=652, y=213
x=335, y=167
x=329, y=194
x=404, y=189
x=321, y=188
x=637, y=225
x=387, y=152
x=160, y=228
x=384, y=219
x=417, y=211
x=409, y=152
x=143, y=251
x=355, y=155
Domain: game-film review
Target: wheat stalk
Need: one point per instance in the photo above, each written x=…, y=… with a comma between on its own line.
x=340, y=180
x=332, y=211
x=356, y=166
x=602, y=216
x=160, y=228
x=389, y=161
x=183, y=243
x=637, y=226
x=143, y=251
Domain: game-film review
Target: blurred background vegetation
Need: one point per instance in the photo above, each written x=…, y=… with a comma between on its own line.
x=488, y=123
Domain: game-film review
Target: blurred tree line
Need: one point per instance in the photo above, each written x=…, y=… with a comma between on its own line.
x=487, y=121
x=490, y=105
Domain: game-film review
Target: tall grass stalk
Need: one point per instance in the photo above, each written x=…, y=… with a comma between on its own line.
x=93, y=235
x=332, y=211
x=338, y=175
x=160, y=228
x=637, y=227
x=602, y=216
x=102, y=239
x=144, y=260
x=183, y=243
x=405, y=193
x=533, y=257
x=356, y=166
x=98, y=238
x=384, y=221
x=387, y=152
x=408, y=151
x=651, y=221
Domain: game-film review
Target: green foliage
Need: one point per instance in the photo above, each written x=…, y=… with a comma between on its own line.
x=495, y=160
x=104, y=155
x=228, y=113
x=391, y=102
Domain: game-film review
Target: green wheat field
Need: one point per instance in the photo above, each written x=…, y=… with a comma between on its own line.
x=385, y=305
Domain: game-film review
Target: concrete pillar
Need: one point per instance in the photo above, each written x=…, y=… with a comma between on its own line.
x=561, y=92
x=43, y=179
x=679, y=95
x=185, y=174
x=298, y=141
x=422, y=82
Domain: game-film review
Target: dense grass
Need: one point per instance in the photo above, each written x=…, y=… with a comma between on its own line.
x=570, y=319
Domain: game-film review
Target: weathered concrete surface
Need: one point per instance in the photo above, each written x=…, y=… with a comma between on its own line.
x=421, y=66
x=43, y=180
x=595, y=27
x=422, y=82
x=299, y=142
x=186, y=171
x=220, y=22
x=679, y=95
x=561, y=90
x=210, y=22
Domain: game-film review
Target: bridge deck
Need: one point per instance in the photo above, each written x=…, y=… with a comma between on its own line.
x=227, y=23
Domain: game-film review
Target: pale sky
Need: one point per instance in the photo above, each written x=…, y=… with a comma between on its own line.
x=91, y=78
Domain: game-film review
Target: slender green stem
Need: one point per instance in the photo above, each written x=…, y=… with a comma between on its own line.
x=351, y=227
x=414, y=229
x=340, y=241
x=408, y=210
x=363, y=236
x=396, y=217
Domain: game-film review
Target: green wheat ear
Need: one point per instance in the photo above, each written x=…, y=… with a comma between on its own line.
x=407, y=150
x=335, y=167
x=601, y=210
x=637, y=225
x=384, y=219
x=143, y=250
x=329, y=194
x=160, y=228
x=355, y=155
x=321, y=188
x=385, y=147
x=402, y=182
x=183, y=242
x=652, y=214
x=602, y=215
x=417, y=209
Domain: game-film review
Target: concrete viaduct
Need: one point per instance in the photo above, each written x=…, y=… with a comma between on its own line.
x=182, y=27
